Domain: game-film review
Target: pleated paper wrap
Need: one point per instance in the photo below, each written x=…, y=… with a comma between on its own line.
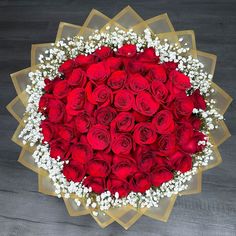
x=126, y=19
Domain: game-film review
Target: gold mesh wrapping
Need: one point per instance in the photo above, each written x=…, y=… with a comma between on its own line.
x=125, y=19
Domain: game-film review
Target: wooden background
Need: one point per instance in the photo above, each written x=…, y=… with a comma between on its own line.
x=24, y=211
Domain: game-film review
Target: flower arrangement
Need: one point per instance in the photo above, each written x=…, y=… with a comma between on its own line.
x=120, y=118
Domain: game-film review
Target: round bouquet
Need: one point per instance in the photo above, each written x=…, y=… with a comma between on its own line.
x=121, y=116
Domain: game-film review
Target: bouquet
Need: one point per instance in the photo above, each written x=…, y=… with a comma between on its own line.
x=120, y=116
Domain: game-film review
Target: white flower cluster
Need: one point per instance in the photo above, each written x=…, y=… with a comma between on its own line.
x=70, y=48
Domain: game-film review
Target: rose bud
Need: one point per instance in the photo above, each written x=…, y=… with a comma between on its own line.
x=159, y=91
x=198, y=100
x=166, y=145
x=98, y=137
x=146, y=158
x=148, y=55
x=105, y=115
x=65, y=132
x=59, y=148
x=56, y=111
x=124, y=122
x=80, y=153
x=163, y=122
x=117, y=79
x=48, y=130
x=74, y=173
x=77, y=78
x=116, y=185
x=67, y=67
x=122, y=167
x=75, y=101
x=103, y=52
x=139, y=182
x=180, y=81
x=102, y=95
x=160, y=175
x=144, y=133
x=127, y=50
x=181, y=161
x=183, y=106
x=145, y=104
x=157, y=72
x=83, y=122
x=98, y=73
x=61, y=89
x=124, y=100
x=98, y=167
x=122, y=144
x=137, y=83
x=96, y=183
x=84, y=60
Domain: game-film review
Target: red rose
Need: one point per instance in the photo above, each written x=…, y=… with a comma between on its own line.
x=80, y=153
x=166, y=145
x=50, y=84
x=192, y=145
x=75, y=101
x=159, y=91
x=56, y=111
x=124, y=122
x=59, y=148
x=184, y=133
x=181, y=161
x=48, y=131
x=102, y=95
x=137, y=83
x=160, y=175
x=44, y=103
x=144, y=133
x=124, y=100
x=122, y=167
x=103, y=52
x=61, y=89
x=157, y=72
x=169, y=66
x=98, y=168
x=163, y=122
x=65, y=133
x=98, y=137
x=127, y=50
x=115, y=185
x=74, y=173
x=145, y=104
x=84, y=60
x=180, y=81
x=117, y=79
x=113, y=63
x=139, y=182
x=83, y=121
x=148, y=55
x=77, y=78
x=146, y=158
x=98, y=72
x=67, y=67
x=96, y=183
x=198, y=100
x=122, y=144
x=196, y=122
x=105, y=115
x=183, y=105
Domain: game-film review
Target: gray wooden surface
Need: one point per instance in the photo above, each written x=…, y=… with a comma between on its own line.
x=24, y=211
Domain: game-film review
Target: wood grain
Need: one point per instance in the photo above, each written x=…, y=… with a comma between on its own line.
x=24, y=211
